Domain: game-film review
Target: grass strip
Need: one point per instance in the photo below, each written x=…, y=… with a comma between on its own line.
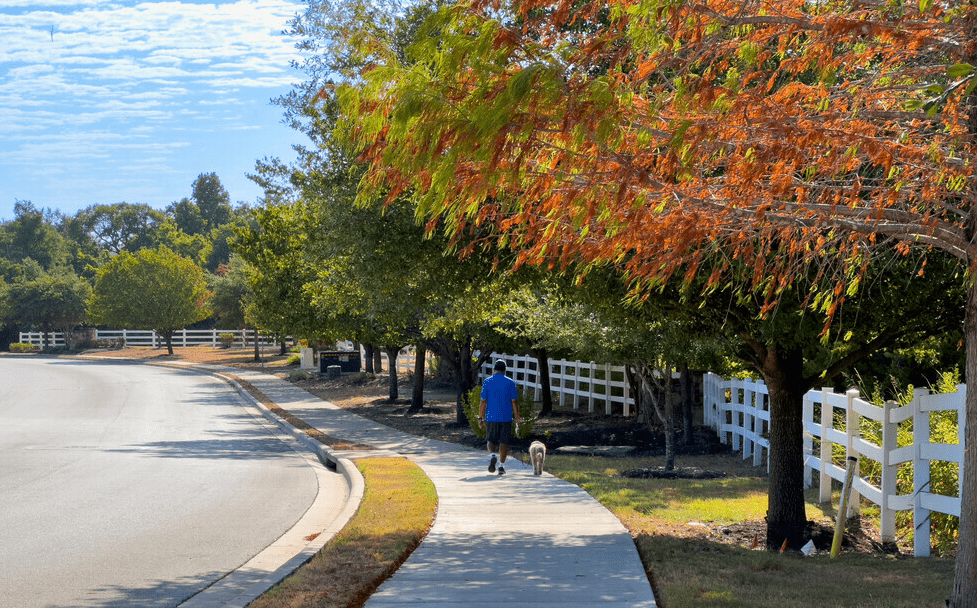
x=690, y=568
x=397, y=510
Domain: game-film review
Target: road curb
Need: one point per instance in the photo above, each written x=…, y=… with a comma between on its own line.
x=344, y=466
x=236, y=597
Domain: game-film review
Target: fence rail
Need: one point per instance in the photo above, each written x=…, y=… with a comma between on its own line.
x=574, y=384
x=137, y=337
x=739, y=412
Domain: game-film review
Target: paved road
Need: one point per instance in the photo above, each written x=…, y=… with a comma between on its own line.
x=133, y=485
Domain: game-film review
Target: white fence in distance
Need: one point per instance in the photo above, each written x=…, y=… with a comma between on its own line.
x=739, y=412
x=137, y=337
x=574, y=384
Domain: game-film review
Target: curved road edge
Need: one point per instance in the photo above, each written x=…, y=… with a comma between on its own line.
x=228, y=592
x=317, y=526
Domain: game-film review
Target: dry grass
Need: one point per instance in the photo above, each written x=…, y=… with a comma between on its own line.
x=397, y=510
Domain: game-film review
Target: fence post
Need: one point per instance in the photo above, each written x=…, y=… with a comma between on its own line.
x=760, y=400
x=961, y=431
x=748, y=419
x=538, y=385
x=576, y=385
x=627, y=395
x=824, y=480
x=921, y=475
x=853, y=431
x=736, y=416
x=808, y=417
x=592, y=367
x=890, y=441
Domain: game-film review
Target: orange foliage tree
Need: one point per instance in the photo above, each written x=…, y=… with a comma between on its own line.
x=677, y=139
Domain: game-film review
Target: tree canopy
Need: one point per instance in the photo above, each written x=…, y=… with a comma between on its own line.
x=680, y=139
x=150, y=289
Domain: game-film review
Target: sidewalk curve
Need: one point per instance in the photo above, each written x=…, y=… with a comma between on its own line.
x=514, y=540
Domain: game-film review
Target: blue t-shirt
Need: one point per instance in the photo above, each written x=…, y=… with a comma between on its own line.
x=498, y=391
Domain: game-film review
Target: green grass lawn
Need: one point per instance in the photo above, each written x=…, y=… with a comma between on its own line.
x=693, y=569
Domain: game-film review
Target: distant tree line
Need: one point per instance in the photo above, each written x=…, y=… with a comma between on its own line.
x=123, y=264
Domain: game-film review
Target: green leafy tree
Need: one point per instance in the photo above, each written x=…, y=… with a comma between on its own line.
x=277, y=271
x=375, y=277
x=49, y=301
x=120, y=227
x=32, y=235
x=231, y=293
x=186, y=216
x=212, y=201
x=150, y=289
x=196, y=247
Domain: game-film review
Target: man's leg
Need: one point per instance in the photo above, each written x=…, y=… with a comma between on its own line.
x=491, y=449
x=503, y=452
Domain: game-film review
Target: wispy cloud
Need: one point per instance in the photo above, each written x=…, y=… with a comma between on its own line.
x=86, y=81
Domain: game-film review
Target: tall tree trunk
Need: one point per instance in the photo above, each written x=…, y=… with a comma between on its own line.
x=634, y=388
x=964, y=593
x=464, y=380
x=168, y=338
x=368, y=358
x=655, y=388
x=257, y=353
x=417, y=398
x=378, y=360
x=783, y=373
x=392, y=352
x=544, y=380
x=686, y=383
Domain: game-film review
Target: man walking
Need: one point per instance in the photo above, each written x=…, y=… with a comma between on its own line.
x=496, y=412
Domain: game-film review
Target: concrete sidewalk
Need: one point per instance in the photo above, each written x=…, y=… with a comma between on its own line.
x=515, y=540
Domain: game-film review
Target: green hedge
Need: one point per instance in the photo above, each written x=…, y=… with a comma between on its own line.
x=21, y=347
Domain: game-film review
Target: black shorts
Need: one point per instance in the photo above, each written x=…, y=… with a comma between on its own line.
x=498, y=433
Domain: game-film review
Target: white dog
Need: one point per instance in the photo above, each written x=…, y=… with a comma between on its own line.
x=537, y=453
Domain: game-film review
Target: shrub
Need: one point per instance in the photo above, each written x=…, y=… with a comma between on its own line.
x=524, y=402
x=944, y=530
x=226, y=339
x=293, y=360
x=22, y=347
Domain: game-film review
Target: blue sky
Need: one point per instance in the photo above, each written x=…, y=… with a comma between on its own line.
x=106, y=101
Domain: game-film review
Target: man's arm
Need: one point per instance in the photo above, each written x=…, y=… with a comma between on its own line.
x=481, y=413
x=515, y=411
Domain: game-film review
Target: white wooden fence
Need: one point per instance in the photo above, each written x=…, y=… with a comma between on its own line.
x=575, y=384
x=739, y=412
x=134, y=337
